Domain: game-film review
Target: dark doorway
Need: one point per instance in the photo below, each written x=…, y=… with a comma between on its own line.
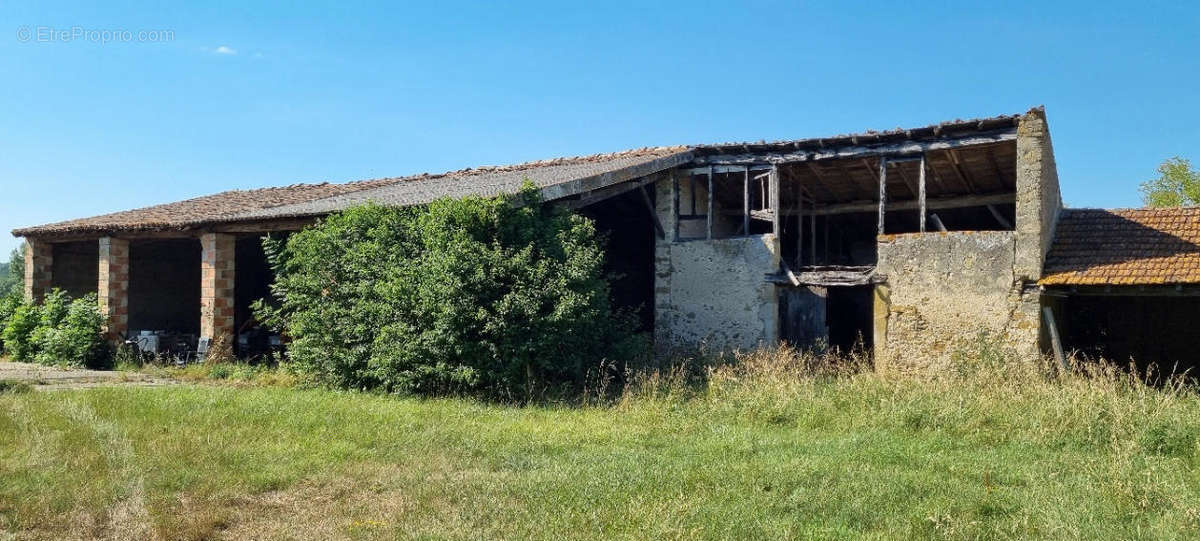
x=1149, y=330
x=164, y=286
x=851, y=323
x=628, y=227
x=837, y=318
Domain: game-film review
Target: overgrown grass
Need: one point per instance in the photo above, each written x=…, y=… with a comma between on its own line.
x=229, y=373
x=776, y=445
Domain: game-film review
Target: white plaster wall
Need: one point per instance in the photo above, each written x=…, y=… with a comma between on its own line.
x=714, y=293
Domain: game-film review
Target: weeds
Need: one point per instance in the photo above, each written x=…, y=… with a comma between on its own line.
x=763, y=444
x=8, y=386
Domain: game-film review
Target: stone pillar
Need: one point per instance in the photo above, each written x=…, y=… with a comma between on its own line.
x=112, y=289
x=39, y=262
x=1038, y=199
x=216, y=289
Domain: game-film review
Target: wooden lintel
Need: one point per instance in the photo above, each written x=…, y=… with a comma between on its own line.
x=274, y=226
x=930, y=204
x=1153, y=290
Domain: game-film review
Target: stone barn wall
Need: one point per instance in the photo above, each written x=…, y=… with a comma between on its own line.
x=713, y=292
x=943, y=290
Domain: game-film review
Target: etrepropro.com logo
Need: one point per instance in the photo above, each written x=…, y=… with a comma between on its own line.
x=51, y=34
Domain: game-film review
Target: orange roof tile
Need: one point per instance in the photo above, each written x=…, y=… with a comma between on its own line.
x=1125, y=247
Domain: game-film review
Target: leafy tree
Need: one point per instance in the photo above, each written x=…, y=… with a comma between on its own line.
x=12, y=274
x=1177, y=185
x=469, y=295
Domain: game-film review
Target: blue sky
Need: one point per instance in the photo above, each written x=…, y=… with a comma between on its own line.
x=246, y=95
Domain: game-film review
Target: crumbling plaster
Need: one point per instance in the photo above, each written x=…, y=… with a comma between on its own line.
x=712, y=293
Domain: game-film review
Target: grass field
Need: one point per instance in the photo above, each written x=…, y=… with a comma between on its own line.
x=763, y=450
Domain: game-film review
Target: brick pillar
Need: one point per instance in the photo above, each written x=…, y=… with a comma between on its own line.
x=216, y=288
x=39, y=260
x=113, y=286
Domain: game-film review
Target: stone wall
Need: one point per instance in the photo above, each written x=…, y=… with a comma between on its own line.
x=1038, y=198
x=713, y=293
x=943, y=290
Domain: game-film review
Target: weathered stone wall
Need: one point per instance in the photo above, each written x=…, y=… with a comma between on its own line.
x=713, y=293
x=1038, y=198
x=945, y=288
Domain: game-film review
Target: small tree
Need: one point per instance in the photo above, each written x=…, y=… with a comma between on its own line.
x=1177, y=185
x=12, y=280
x=467, y=295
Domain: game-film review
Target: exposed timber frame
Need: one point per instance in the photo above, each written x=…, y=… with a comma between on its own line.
x=894, y=150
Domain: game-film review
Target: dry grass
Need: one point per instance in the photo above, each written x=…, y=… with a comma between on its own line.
x=765, y=444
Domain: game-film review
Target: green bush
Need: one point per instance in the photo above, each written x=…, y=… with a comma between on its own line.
x=71, y=333
x=8, y=306
x=60, y=331
x=18, y=332
x=470, y=295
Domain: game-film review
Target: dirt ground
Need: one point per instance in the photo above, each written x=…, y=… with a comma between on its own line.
x=49, y=378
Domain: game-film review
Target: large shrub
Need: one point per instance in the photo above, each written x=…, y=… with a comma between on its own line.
x=468, y=295
x=18, y=332
x=60, y=331
x=8, y=306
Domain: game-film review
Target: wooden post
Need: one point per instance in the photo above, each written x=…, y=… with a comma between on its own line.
x=799, y=227
x=825, y=231
x=921, y=191
x=882, y=190
x=708, y=217
x=1055, y=340
x=675, y=196
x=746, y=202
x=773, y=180
x=812, y=247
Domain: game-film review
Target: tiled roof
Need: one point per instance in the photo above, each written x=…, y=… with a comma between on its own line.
x=204, y=209
x=558, y=178
x=318, y=199
x=600, y=170
x=1125, y=247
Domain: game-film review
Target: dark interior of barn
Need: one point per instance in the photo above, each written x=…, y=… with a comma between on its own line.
x=628, y=228
x=1155, y=334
